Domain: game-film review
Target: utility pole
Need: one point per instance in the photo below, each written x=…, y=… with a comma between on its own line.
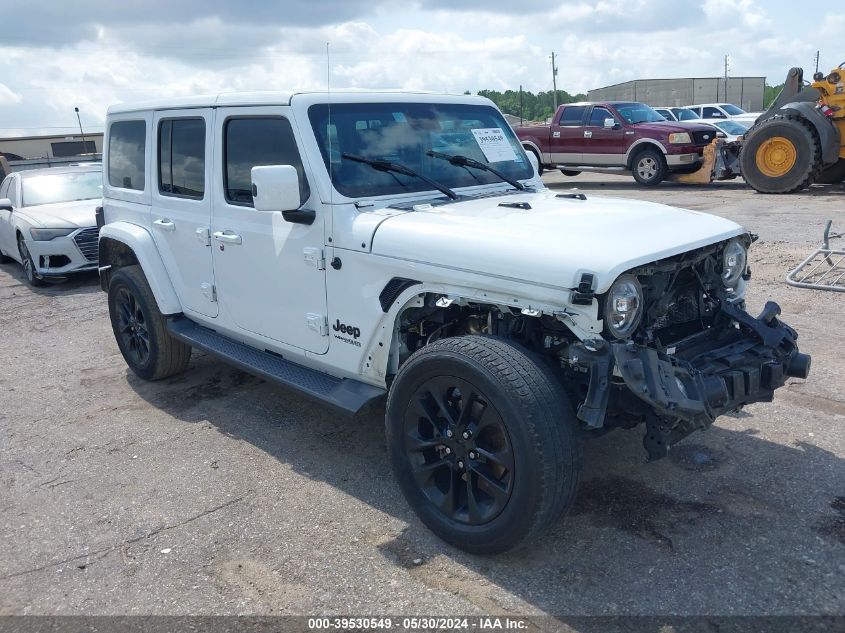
x=727, y=67
x=84, y=144
x=817, y=60
x=520, y=105
x=554, y=81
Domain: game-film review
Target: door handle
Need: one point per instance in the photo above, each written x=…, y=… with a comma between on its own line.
x=227, y=237
x=588, y=134
x=164, y=224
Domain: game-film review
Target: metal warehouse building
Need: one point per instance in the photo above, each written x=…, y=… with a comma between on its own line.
x=51, y=146
x=746, y=92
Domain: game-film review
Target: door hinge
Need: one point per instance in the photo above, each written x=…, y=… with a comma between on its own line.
x=315, y=257
x=203, y=235
x=209, y=291
x=318, y=322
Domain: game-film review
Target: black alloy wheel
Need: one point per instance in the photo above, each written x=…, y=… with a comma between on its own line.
x=132, y=326
x=459, y=450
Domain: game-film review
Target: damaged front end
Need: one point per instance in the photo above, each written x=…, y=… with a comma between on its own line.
x=697, y=354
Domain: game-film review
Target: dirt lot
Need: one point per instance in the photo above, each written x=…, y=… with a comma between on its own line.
x=217, y=493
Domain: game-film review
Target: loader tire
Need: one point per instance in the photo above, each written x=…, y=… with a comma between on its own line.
x=833, y=175
x=781, y=155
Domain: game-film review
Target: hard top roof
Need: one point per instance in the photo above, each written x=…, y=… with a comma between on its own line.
x=269, y=97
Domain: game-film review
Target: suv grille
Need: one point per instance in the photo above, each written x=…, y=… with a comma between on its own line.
x=87, y=240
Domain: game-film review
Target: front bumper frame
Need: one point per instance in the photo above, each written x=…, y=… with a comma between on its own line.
x=718, y=371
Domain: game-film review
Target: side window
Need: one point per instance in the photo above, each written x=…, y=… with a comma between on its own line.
x=572, y=115
x=127, y=144
x=712, y=113
x=252, y=141
x=598, y=116
x=181, y=158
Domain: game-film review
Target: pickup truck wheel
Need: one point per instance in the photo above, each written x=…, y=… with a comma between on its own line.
x=29, y=270
x=140, y=329
x=483, y=442
x=569, y=172
x=649, y=167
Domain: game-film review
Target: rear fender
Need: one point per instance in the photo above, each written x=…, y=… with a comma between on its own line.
x=828, y=133
x=117, y=235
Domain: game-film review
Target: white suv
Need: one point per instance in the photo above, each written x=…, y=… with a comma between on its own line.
x=354, y=246
x=724, y=111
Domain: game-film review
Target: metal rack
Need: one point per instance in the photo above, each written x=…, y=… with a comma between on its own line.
x=824, y=269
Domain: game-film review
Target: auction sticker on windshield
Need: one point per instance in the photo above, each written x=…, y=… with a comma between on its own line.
x=494, y=144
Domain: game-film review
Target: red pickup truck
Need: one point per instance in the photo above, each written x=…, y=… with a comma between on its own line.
x=616, y=137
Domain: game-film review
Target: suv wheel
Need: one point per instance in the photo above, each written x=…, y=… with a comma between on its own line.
x=569, y=172
x=649, y=167
x=140, y=329
x=483, y=441
x=29, y=270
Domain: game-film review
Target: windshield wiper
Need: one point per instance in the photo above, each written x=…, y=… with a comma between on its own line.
x=464, y=161
x=387, y=166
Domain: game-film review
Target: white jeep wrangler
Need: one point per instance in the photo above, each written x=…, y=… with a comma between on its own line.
x=360, y=245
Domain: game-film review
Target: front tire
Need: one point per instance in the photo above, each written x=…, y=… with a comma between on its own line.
x=29, y=269
x=140, y=329
x=649, y=167
x=781, y=155
x=483, y=442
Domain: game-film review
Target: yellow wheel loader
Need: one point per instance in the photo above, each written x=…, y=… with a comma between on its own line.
x=800, y=139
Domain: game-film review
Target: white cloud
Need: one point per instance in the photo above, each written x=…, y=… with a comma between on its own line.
x=7, y=97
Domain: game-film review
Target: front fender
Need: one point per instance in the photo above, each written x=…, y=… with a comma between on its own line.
x=141, y=243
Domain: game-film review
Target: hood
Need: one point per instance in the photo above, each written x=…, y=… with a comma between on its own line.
x=61, y=215
x=667, y=127
x=552, y=243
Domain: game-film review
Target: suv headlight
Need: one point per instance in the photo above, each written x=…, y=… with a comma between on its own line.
x=42, y=235
x=734, y=260
x=680, y=137
x=623, y=307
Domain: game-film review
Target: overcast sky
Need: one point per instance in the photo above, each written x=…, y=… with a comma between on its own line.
x=57, y=54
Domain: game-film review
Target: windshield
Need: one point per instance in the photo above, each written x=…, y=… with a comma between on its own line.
x=685, y=114
x=638, y=113
x=732, y=109
x=67, y=187
x=732, y=127
x=402, y=133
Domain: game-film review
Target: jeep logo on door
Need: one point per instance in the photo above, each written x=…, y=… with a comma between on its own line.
x=349, y=331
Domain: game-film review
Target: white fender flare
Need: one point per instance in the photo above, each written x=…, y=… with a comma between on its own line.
x=143, y=246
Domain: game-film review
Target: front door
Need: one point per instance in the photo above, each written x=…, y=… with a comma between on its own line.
x=270, y=273
x=7, y=233
x=181, y=204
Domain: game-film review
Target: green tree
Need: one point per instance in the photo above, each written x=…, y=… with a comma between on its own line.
x=535, y=107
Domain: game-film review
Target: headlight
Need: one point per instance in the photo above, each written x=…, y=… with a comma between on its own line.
x=42, y=235
x=734, y=259
x=623, y=307
x=680, y=137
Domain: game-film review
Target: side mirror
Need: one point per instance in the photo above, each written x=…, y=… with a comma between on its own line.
x=609, y=124
x=6, y=205
x=721, y=135
x=275, y=188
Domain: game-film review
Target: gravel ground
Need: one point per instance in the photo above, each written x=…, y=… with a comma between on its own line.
x=217, y=493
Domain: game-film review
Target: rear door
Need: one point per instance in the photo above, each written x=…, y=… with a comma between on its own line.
x=181, y=204
x=567, y=135
x=603, y=146
x=270, y=273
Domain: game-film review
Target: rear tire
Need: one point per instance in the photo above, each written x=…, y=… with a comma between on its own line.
x=832, y=175
x=649, y=167
x=483, y=442
x=781, y=155
x=140, y=329
x=569, y=172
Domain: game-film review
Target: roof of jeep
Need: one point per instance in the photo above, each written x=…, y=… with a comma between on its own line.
x=269, y=97
x=66, y=169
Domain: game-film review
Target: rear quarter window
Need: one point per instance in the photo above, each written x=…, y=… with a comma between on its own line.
x=127, y=149
x=572, y=115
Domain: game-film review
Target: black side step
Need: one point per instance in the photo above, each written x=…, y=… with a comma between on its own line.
x=343, y=394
